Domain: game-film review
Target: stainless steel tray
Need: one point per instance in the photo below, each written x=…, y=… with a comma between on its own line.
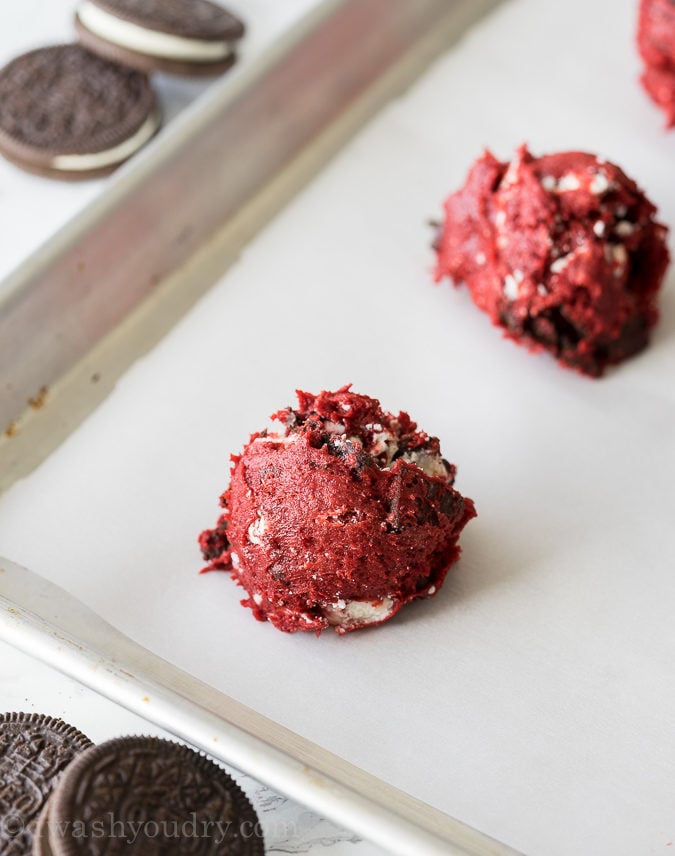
x=532, y=697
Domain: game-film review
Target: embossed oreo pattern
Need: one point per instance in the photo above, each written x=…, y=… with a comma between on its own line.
x=65, y=100
x=146, y=796
x=34, y=752
x=195, y=19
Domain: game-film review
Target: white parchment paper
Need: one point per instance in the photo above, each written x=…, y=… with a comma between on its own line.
x=533, y=697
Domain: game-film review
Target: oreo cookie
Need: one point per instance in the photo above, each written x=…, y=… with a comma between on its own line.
x=68, y=113
x=146, y=796
x=34, y=752
x=190, y=37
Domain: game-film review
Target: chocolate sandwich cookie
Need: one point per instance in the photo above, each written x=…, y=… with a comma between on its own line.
x=67, y=113
x=34, y=752
x=190, y=37
x=146, y=796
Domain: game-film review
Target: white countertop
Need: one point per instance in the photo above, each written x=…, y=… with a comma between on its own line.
x=32, y=208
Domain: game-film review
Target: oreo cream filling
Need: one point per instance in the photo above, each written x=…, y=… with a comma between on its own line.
x=133, y=37
x=108, y=157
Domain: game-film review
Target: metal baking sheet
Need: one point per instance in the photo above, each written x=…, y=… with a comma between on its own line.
x=531, y=698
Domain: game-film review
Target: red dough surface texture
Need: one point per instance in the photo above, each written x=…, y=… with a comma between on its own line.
x=561, y=251
x=656, y=43
x=333, y=522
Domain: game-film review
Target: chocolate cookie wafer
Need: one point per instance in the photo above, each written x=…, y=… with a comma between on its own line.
x=68, y=113
x=143, y=796
x=34, y=752
x=189, y=37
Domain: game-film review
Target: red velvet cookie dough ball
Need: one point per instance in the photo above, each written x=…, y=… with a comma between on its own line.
x=340, y=518
x=562, y=251
x=656, y=43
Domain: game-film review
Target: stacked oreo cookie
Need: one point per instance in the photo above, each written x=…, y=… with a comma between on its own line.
x=193, y=38
x=80, y=110
x=62, y=796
